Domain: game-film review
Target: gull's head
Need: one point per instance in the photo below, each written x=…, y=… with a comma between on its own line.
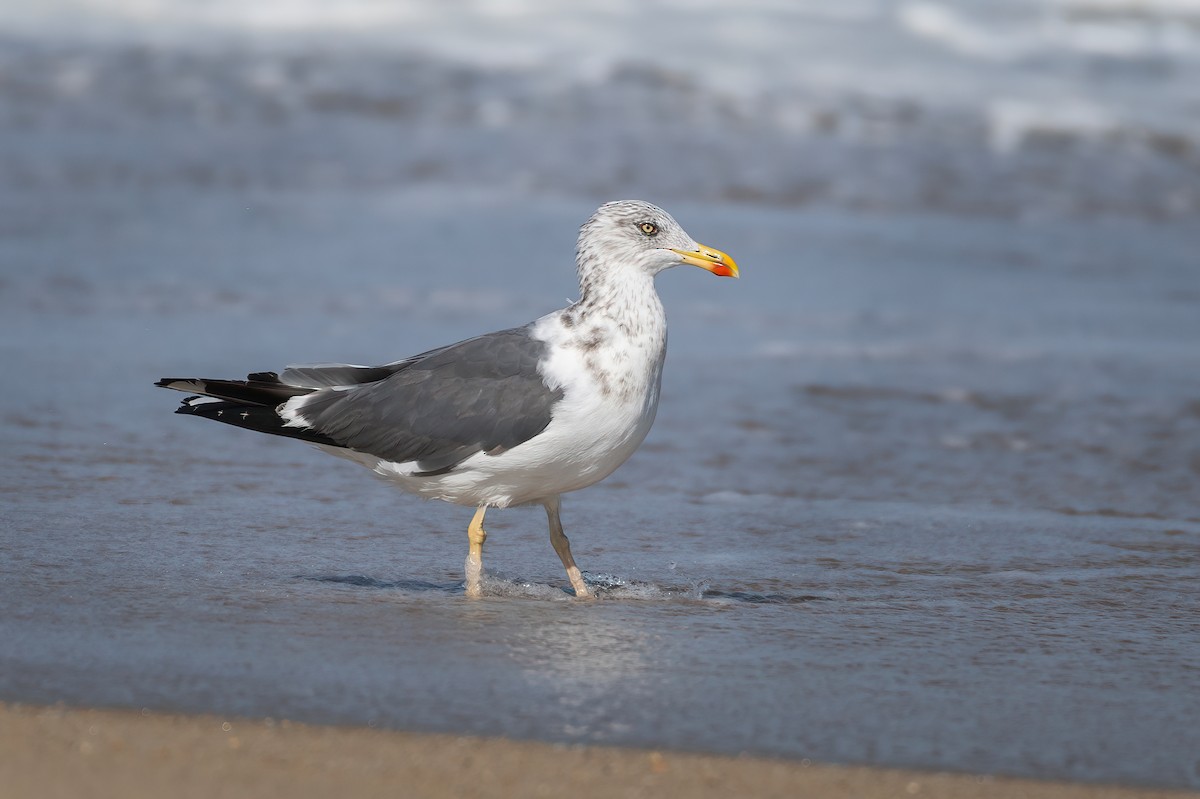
x=633, y=233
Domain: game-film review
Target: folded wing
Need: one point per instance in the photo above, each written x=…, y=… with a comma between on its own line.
x=485, y=394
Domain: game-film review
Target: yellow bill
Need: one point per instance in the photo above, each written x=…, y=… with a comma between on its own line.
x=713, y=260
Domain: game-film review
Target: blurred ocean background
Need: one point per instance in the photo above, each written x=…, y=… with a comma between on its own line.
x=924, y=489
x=1019, y=108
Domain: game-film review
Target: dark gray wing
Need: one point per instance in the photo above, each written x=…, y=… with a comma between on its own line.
x=484, y=394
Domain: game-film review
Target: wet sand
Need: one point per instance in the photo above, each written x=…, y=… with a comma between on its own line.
x=56, y=751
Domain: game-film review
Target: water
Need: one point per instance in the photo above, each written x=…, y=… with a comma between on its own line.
x=1022, y=108
x=922, y=490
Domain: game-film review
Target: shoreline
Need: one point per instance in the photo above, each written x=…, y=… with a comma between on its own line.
x=63, y=751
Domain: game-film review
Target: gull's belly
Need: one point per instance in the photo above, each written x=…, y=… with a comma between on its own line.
x=585, y=444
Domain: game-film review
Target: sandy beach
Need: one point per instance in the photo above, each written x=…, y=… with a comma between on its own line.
x=56, y=751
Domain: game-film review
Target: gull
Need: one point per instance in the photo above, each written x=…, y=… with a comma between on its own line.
x=515, y=417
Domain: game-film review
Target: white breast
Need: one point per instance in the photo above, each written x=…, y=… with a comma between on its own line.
x=610, y=379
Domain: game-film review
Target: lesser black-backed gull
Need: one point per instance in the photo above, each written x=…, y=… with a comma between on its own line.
x=508, y=418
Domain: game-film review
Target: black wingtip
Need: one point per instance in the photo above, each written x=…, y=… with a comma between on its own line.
x=265, y=392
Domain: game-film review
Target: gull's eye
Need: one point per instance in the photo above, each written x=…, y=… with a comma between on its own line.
x=649, y=228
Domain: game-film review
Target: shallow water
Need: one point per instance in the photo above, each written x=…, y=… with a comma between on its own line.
x=923, y=486
x=906, y=503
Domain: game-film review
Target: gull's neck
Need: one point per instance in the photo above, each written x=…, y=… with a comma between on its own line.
x=623, y=297
x=616, y=333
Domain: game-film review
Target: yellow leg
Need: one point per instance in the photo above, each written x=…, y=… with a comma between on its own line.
x=563, y=547
x=474, y=565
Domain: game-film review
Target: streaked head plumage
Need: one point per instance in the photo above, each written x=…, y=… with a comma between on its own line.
x=639, y=235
